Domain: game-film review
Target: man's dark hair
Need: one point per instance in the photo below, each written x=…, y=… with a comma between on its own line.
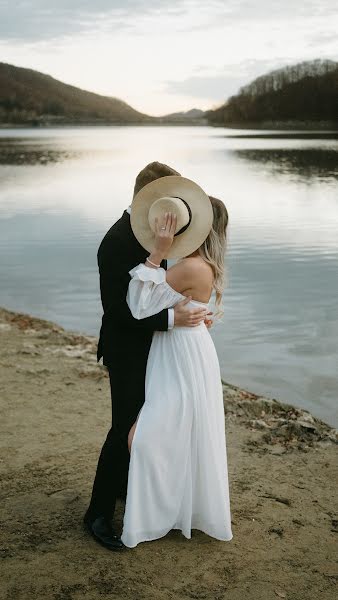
x=153, y=171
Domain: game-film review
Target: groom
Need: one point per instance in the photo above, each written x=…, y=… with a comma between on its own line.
x=124, y=344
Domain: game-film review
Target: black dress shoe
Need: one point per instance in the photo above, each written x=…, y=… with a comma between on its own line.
x=101, y=530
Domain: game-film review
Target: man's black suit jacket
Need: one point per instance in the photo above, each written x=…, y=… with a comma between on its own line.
x=124, y=341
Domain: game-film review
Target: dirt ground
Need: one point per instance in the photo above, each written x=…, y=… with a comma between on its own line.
x=55, y=413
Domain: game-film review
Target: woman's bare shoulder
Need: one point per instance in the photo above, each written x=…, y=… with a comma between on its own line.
x=196, y=266
x=191, y=275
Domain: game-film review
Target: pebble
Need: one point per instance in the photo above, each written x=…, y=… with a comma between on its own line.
x=259, y=424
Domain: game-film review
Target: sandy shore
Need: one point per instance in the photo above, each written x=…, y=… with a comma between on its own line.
x=55, y=409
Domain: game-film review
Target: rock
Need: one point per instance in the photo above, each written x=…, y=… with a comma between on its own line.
x=96, y=372
x=277, y=530
x=73, y=351
x=334, y=525
x=306, y=425
x=30, y=349
x=259, y=424
x=34, y=372
x=307, y=417
x=278, y=450
x=277, y=498
x=333, y=436
x=43, y=335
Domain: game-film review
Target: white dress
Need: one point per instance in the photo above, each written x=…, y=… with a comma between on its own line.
x=178, y=476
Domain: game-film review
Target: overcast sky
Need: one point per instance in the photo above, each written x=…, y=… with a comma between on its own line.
x=163, y=56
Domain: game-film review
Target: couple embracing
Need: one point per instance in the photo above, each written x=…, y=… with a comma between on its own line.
x=165, y=454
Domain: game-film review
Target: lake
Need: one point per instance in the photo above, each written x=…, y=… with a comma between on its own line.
x=61, y=189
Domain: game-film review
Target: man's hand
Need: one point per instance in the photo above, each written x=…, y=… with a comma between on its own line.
x=188, y=317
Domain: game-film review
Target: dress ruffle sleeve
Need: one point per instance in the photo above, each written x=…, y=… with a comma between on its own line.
x=148, y=292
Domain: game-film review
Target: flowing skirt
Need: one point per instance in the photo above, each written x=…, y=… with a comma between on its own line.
x=178, y=476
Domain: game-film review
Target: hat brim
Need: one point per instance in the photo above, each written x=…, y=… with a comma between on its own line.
x=201, y=214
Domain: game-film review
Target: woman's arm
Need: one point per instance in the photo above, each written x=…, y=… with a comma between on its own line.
x=149, y=291
x=114, y=281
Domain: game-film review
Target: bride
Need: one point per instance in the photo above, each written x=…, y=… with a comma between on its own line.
x=178, y=476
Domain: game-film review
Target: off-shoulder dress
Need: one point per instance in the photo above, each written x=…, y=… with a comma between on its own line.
x=178, y=475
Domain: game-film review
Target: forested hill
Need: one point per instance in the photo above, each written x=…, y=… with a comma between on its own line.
x=303, y=93
x=28, y=96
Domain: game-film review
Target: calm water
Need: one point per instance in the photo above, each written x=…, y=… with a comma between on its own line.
x=61, y=189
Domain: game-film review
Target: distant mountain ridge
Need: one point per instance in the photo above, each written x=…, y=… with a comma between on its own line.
x=303, y=93
x=192, y=115
x=30, y=96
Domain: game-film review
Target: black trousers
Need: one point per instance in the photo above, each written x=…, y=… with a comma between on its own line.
x=110, y=483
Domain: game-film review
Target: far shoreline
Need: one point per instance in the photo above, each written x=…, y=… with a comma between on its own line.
x=289, y=127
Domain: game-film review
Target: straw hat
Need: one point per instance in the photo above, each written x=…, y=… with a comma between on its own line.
x=178, y=195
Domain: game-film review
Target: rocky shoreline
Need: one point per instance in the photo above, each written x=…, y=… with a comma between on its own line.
x=55, y=414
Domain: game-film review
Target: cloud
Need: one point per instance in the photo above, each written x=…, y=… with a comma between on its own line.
x=225, y=82
x=35, y=20
x=324, y=37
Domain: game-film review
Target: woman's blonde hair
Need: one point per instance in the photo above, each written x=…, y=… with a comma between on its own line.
x=214, y=247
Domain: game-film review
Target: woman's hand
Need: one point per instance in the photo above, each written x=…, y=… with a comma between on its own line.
x=209, y=322
x=165, y=228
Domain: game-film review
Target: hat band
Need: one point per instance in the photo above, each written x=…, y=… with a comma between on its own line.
x=185, y=227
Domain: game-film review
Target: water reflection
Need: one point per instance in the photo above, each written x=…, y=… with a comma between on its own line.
x=28, y=154
x=284, y=135
x=304, y=163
